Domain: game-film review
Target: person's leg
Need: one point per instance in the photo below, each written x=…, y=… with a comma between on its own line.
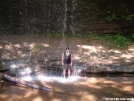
x=69, y=70
x=64, y=70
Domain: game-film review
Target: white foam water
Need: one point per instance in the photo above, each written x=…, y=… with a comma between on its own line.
x=52, y=79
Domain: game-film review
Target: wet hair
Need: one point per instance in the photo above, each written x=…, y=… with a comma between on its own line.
x=67, y=48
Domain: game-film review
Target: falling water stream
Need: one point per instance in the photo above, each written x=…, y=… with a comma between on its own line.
x=52, y=16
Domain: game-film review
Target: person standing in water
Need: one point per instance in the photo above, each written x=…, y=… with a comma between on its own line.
x=67, y=61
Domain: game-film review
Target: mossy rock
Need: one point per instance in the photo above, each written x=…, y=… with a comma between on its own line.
x=2, y=67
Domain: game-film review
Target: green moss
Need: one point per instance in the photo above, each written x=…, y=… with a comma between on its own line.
x=118, y=40
x=36, y=49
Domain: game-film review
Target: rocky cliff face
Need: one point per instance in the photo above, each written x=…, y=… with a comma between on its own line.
x=72, y=16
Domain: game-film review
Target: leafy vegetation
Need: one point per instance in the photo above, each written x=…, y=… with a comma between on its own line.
x=119, y=40
x=118, y=11
x=36, y=49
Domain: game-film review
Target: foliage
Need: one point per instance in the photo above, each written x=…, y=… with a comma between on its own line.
x=111, y=17
x=119, y=40
x=36, y=49
x=132, y=36
x=119, y=11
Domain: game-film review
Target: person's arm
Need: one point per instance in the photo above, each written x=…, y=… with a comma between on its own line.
x=63, y=59
x=71, y=60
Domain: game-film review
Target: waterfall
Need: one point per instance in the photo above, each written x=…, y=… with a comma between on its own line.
x=73, y=17
x=64, y=18
x=48, y=16
x=64, y=23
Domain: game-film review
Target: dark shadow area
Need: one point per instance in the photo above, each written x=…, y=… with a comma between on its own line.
x=79, y=16
x=107, y=74
x=119, y=12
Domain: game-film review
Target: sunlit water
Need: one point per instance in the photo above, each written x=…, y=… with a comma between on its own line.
x=52, y=79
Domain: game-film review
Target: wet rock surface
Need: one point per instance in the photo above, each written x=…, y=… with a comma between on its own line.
x=42, y=53
x=42, y=56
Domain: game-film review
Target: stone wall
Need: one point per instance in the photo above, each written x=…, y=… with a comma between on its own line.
x=48, y=16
